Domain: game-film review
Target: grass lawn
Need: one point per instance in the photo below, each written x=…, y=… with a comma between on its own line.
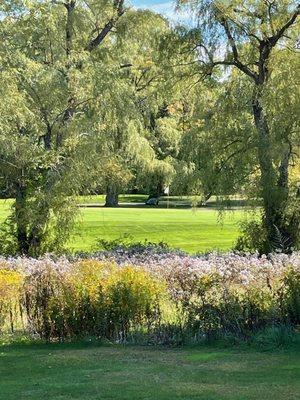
x=4, y=208
x=190, y=229
x=91, y=372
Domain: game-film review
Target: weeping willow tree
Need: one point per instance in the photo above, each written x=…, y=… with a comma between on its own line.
x=126, y=151
x=143, y=149
x=44, y=142
x=74, y=77
x=65, y=98
x=249, y=49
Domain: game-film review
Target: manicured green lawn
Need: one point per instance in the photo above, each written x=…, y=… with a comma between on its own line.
x=190, y=229
x=91, y=372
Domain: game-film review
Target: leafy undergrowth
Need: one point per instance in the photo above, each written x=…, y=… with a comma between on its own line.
x=154, y=298
x=90, y=371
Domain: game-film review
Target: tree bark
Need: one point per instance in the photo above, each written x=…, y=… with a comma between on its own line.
x=70, y=6
x=112, y=195
x=37, y=231
x=21, y=219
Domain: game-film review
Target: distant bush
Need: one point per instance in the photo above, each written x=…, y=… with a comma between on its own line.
x=290, y=296
x=127, y=243
x=252, y=237
x=162, y=298
x=273, y=337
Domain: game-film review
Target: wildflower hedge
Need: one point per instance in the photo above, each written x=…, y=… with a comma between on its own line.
x=160, y=297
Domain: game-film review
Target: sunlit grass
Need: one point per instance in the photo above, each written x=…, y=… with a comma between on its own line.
x=187, y=228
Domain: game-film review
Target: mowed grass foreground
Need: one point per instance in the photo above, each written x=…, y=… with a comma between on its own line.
x=91, y=372
x=190, y=229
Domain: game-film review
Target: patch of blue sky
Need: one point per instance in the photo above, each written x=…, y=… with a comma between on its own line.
x=165, y=8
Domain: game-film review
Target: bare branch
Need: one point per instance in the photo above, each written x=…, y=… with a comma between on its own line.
x=126, y=65
x=280, y=33
x=119, y=10
x=270, y=6
x=243, y=28
x=243, y=67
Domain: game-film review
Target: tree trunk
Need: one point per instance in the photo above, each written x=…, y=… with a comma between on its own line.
x=21, y=219
x=206, y=197
x=70, y=6
x=112, y=195
x=157, y=190
x=37, y=232
x=274, y=184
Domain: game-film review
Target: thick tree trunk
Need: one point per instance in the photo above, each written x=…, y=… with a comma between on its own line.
x=70, y=6
x=274, y=184
x=112, y=195
x=21, y=219
x=157, y=190
x=37, y=232
x=274, y=180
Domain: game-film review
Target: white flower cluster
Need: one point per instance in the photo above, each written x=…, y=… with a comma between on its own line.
x=232, y=267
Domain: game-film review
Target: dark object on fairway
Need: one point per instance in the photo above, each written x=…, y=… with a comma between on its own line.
x=153, y=201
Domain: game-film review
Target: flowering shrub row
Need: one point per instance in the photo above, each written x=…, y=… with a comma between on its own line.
x=165, y=296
